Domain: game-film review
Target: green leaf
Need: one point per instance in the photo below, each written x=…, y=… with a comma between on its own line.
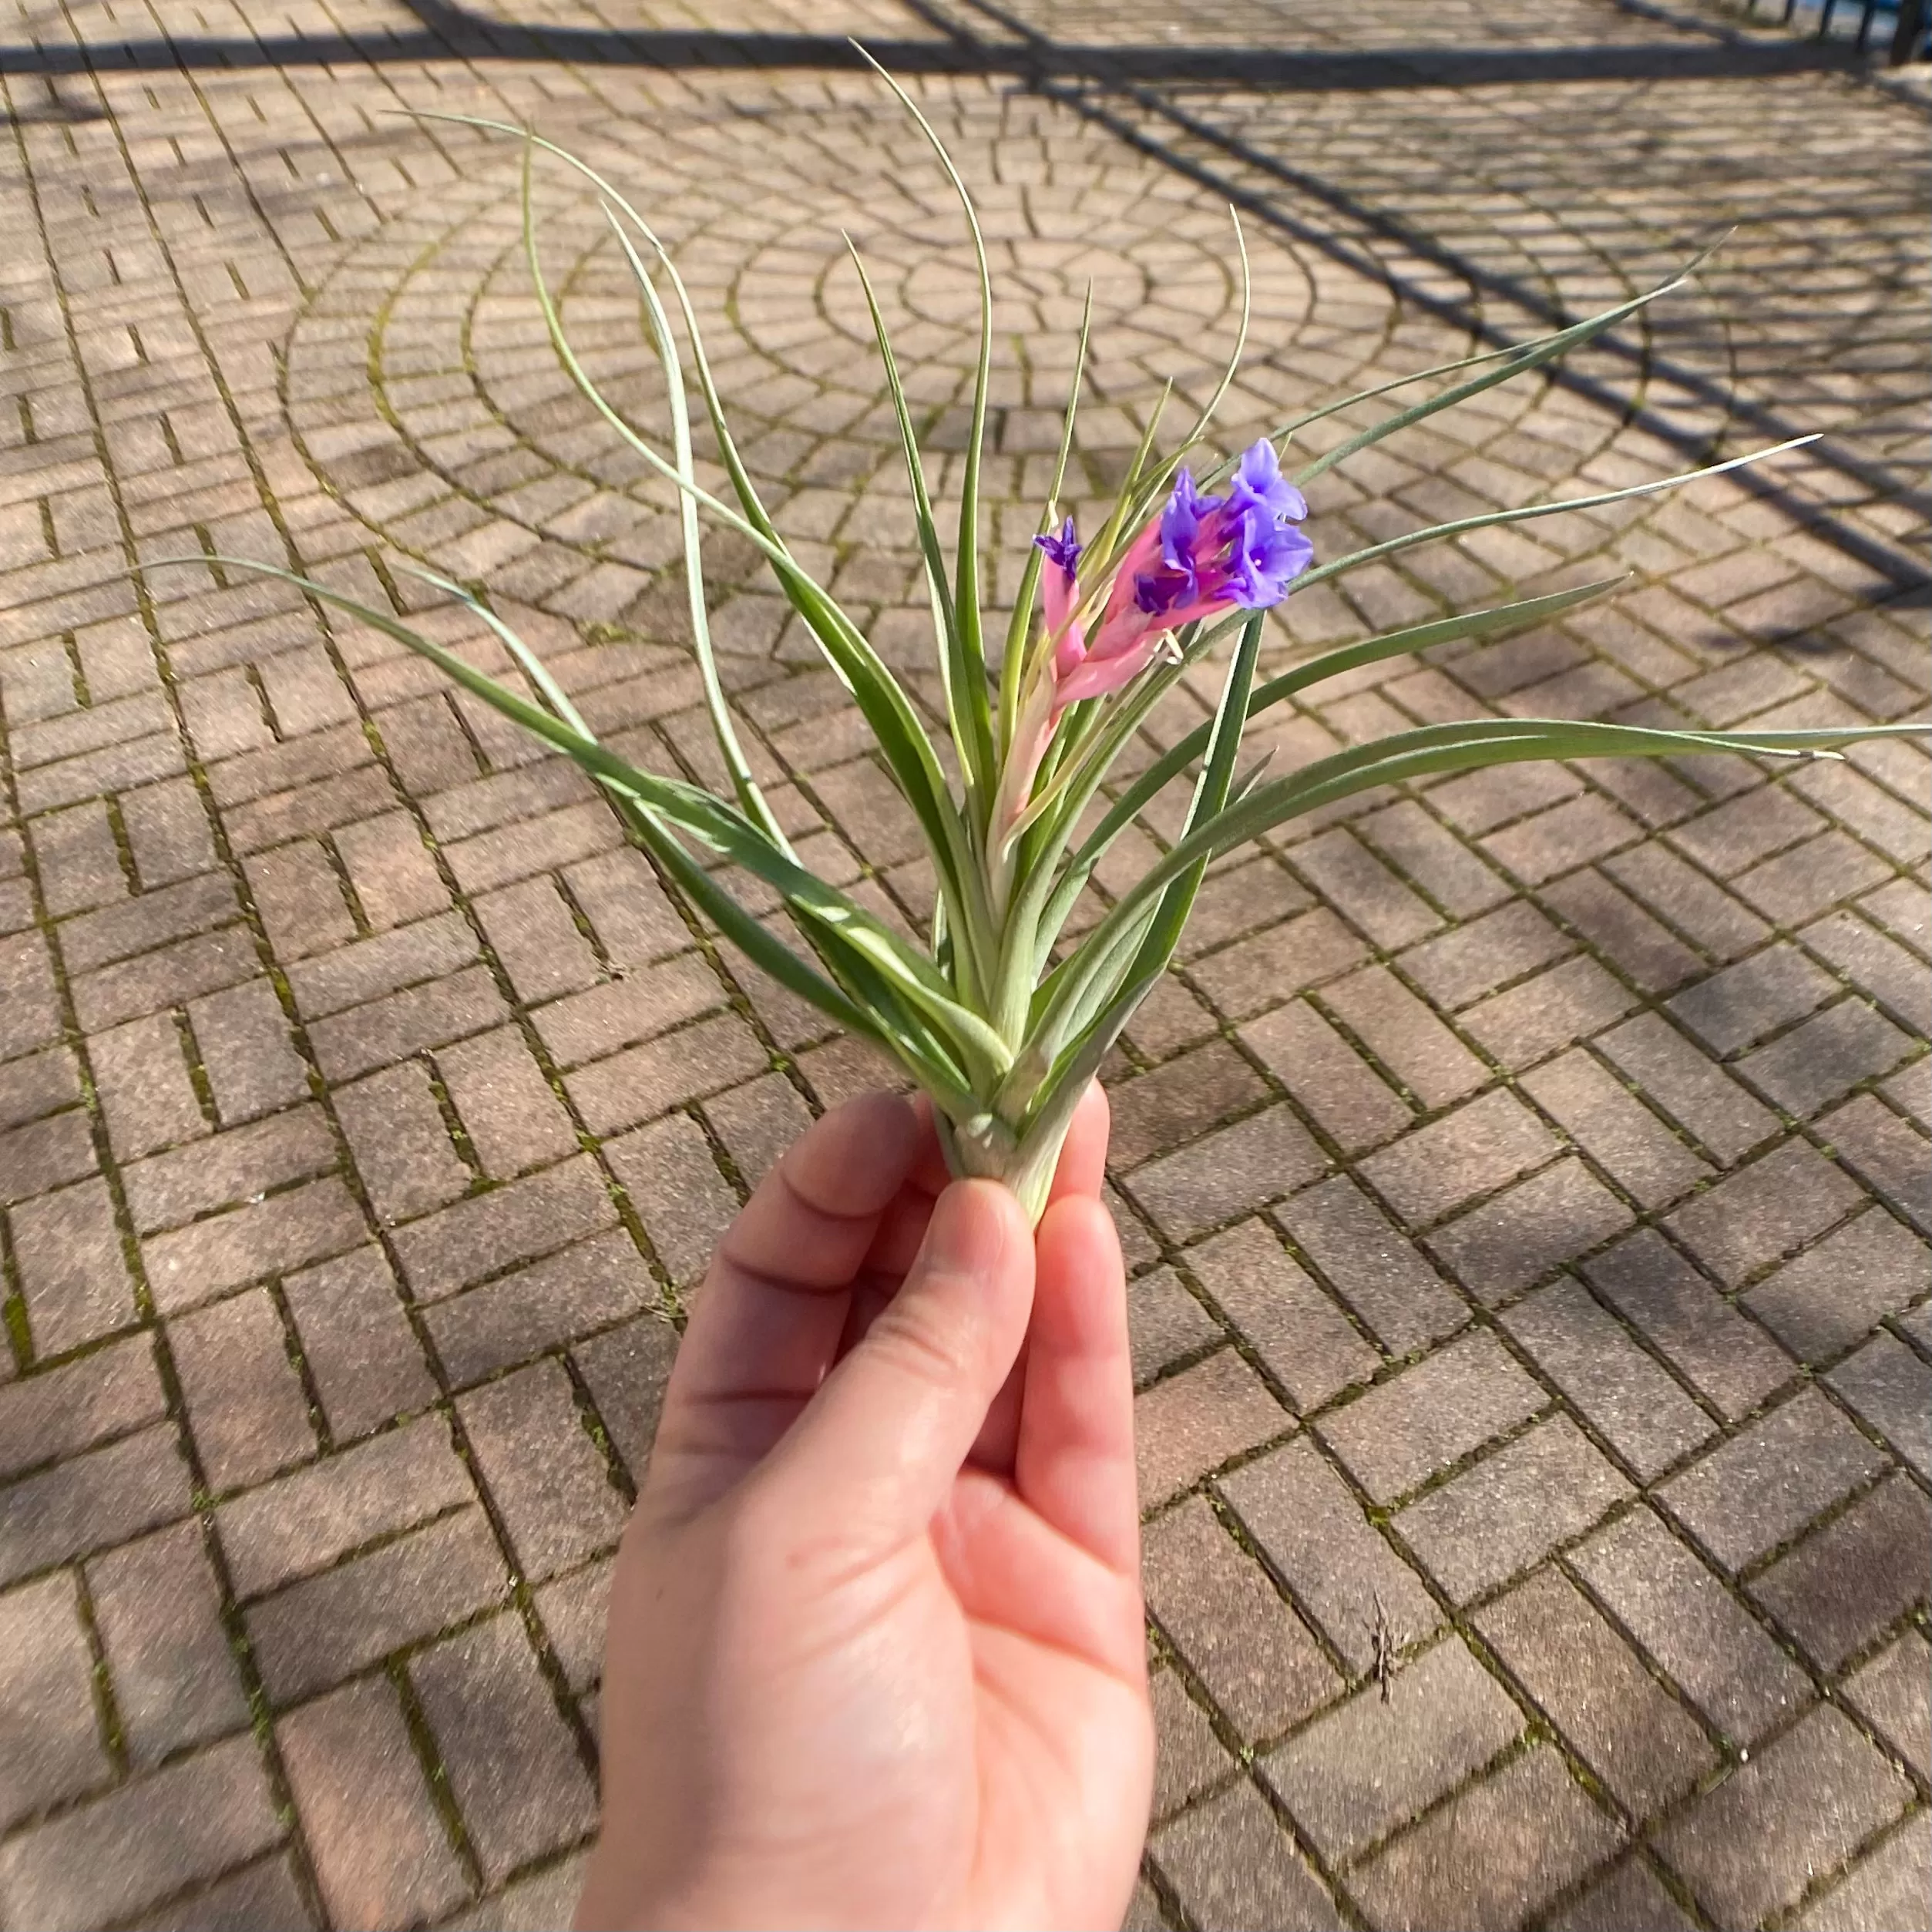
x=737, y=766
x=1148, y=784
x=1406, y=755
x=1012, y=662
x=1519, y=356
x=957, y=673
x=974, y=702
x=1356, y=558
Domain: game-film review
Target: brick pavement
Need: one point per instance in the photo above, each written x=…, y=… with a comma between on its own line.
x=1524, y=1179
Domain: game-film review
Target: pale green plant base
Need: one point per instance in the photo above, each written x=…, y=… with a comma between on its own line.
x=1001, y=1025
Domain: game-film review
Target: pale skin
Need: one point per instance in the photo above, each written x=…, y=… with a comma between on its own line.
x=876, y=1653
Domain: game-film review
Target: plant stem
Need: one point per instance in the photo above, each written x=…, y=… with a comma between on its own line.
x=988, y=1152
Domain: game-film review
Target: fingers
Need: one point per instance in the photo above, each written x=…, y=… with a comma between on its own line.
x=888, y=1431
x=1073, y=1460
x=1082, y=1169
x=1083, y=1160
x=766, y=1327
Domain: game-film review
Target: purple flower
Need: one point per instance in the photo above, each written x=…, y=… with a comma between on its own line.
x=1203, y=555
x=1062, y=547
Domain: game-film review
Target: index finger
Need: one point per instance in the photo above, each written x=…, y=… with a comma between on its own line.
x=765, y=1329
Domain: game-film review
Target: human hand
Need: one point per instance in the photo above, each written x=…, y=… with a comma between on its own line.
x=875, y=1653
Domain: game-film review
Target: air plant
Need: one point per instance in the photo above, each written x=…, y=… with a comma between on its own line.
x=1004, y=1019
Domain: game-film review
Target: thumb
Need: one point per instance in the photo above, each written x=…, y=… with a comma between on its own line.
x=884, y=1437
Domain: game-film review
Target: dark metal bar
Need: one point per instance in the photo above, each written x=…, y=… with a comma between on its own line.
x=1907, y=35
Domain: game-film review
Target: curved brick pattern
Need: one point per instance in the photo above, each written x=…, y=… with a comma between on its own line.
x=1524, y=1178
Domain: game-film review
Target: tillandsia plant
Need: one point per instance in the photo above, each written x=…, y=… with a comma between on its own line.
x=1003, y=1020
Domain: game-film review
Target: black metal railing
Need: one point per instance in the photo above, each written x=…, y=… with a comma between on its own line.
x=1898, y=26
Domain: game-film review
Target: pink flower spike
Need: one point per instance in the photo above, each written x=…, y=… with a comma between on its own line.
x=1099, y=674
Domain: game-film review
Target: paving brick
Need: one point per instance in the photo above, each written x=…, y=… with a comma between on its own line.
x=377, y=1846
x=1846, y=1582
x=385, y=1030
x=1173, y=1104
x=1440, y=864
x=43, y=1154
x=105, y=1393
x=647, y=1002
x=1508, y=1511
x=1313, y=1532
x=1878, y=966
x=1231, y=1172
x=268, y=1237
x=1676, y=1077
x=315, y=1633
x=141, y=1074
x=1700, y=1334
x=299, y=896
x=1438, y=1168
x=1533, y=1020
x=474, y=1238
x=1165, y=1322
x=1632, y=1899
x=549, y=1482
x=757, y=1122
x=1195, y=1421
x=1350, y=878
x=511, y=1761
x=90, y=1501
x=1686, y=1620
x=1684, y=898
x=1518, y=1236
x=1618, y=1133
x=573, y=1610
x=31, y=1012
x=1230, y=1862
x=668, y=1170
x=1764, y=1212
x=245, y=1401
x=1348, y=1100
x=392, y=875
x=1353, y=1774
x=625, y=1370
x=1218, y=1607
x=1641, y=948
x=1643, y=1745
x=644, y=1081
x=307, y=1520
x=1894, y=1694
x=357, y=1342
x=264, y=1895
x=74, y=1279
x=403, y=1152
x=1751, y=999
x=1376, y=1271
x=1189, y=1757
x=514, y=1120
x=1885, y=1888
x=1406, y=1037
x=530, y=930
x=1804, y=881
x=1765, y=1484
x=167, y=832
x=1877, y=1146
x=1487, y=952
x=105, y=1860
x=1753, y=1844
x=1401, y=1432
x=1494, y=1854
x=1891, y=1388
x=251, y=1064
x=167, y=1189
x=51, y=1750
x=171, y=975
x=157, y=1606
x=1620, y=1391
x=1303, y=1340
x=1245, y=978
